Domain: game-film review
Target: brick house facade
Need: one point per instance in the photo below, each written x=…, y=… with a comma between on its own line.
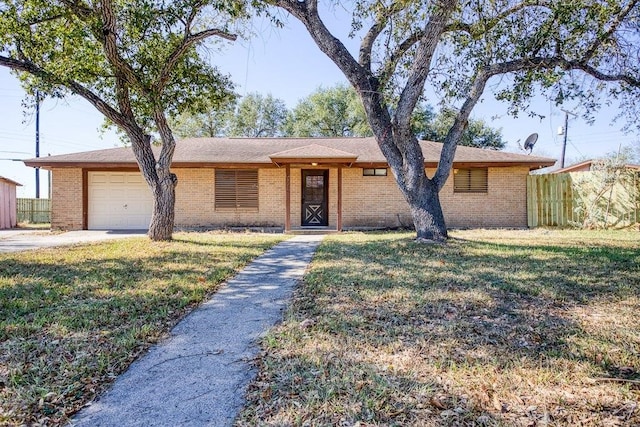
x=269, y=182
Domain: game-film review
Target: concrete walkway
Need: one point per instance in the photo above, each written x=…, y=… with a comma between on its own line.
x=199, y=375
x=16, y=240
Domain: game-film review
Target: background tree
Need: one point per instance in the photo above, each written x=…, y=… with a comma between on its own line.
x=135, y=62
x=259, y=116
x=477, y=134
x=332, y=112
x=574, y=50
x=212, y=123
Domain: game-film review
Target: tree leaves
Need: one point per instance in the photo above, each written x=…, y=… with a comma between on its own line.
x=330, y=112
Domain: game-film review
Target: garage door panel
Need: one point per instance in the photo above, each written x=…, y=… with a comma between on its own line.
x=118, y=200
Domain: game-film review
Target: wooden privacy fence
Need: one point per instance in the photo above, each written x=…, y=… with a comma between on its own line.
x=596, y=199
x=34, y=210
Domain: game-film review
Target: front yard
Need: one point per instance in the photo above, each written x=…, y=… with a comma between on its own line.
x=72, y=319
x=494, y=328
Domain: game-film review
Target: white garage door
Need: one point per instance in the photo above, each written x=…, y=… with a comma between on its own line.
x=118, y=201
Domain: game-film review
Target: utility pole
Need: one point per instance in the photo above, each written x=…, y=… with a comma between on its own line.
x=37, y=142
x=565, y=131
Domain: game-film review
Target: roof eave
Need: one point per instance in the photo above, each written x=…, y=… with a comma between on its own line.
x=44, y=164
x=10, y=181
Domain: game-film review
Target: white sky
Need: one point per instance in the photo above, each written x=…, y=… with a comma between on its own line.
x=287, y=64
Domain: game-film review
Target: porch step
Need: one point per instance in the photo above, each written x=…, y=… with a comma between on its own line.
x=312, y=231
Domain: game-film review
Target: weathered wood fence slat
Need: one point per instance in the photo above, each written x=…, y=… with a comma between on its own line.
x=583, y=199
x=34, y=210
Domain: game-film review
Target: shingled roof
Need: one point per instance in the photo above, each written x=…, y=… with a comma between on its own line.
x=211, y=152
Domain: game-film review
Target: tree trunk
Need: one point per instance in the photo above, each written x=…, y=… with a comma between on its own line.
x=163, y=214
x=426, y=211
x=161, y=181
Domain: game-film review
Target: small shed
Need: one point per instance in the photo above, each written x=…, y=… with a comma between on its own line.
x=8, y=207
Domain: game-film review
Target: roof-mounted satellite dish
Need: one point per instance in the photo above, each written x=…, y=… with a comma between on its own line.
x=530, y=142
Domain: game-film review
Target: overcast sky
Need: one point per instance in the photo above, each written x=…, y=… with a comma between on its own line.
x=287, y=64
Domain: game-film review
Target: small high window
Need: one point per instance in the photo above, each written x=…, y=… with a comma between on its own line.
x=236, y=189
x=374, y=172
x=470, y=180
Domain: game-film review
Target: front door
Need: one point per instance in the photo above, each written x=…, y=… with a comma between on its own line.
x=315, y=185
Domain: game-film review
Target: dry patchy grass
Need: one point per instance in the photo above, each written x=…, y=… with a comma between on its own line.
x=72, y=319
x=494, y=328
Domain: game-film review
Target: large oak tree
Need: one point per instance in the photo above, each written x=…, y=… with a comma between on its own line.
x=135, y=62
x=567, y=49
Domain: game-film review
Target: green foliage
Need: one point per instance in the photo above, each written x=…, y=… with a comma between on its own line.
x=211, y=123
x=338, y=112
x=436, y=127
x=585, y=51
x=258, y=116
x=331, y=112
x=65, y=44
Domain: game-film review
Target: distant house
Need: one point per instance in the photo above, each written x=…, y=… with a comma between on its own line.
x=589, y=165
x=8, y=207
x=290, y=183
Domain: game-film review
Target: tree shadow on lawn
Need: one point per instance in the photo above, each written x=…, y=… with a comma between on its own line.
x=68, y=327
x=501, y=333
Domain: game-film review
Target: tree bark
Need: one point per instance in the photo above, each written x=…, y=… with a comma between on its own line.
x=420, y=192
x=164, y=187
x=163, y=214
x=426, y=211
x=161, y=182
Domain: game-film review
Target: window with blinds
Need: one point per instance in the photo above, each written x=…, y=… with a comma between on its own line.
x=470, y=180
x=236, y=189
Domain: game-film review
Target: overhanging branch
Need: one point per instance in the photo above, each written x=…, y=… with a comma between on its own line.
x=188, y=41
x=31, y=68
x=422, y=62
x=526, y=64
x=110, y=45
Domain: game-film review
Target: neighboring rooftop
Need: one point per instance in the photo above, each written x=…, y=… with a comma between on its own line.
x=208, y=152
x=10, y=181
x=588, y=165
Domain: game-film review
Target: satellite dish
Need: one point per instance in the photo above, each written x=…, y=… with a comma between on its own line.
x=530, y=142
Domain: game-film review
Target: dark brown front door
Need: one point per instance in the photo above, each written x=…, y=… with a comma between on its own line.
x=315, y=184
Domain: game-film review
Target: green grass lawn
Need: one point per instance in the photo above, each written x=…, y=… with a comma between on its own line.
x=72, y=319
x=493, y=328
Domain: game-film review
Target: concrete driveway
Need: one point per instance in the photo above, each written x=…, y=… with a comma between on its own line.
x=16, y=240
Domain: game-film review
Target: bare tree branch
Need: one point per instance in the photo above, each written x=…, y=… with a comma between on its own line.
x=612, y=28
x=476, y=29
x=422, y=62
x=102, y=106
x=525, y=64
x=384, y=75
x=187, y=43
x=366, y=46
x=457, y=129
x=110, y=46
x=449, y=146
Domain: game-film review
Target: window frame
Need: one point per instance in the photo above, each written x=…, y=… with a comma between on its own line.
x=375, y=172
x=471, y=180
x=230, y=190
